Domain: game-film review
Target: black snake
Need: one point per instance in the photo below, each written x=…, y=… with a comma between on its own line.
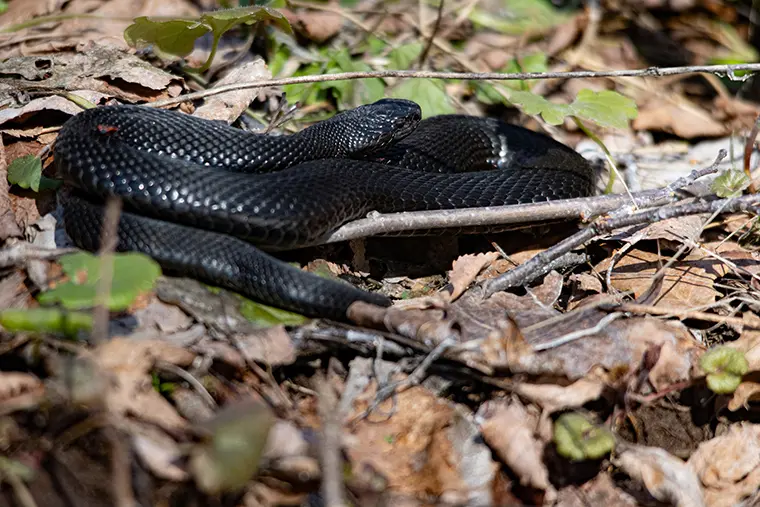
x=198, y=194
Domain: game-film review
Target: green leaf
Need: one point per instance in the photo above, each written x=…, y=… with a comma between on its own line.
x=402, y=57
x=375, y=45
x=487, y=93
x=176, y=37
x=3, y=6
x=578, y=439
x=268, y=316
x=26, y=172
x=533, y=104
x=133, y=274
x=429, y=94
x=730, y=184
x=517, y=17
x=223, y=20
x=725, y=367
x=46, y=320
x=228, y=460
x=606, y=108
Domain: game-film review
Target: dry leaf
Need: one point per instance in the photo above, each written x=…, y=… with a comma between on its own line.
x=687, y=121
x=229, y=106
x=424, y=448
x=19, y=391
x=129, y=363
x=666, y=477
x=157, y=451
x=687, y=284
x=317, y=26
x=465, y=269
x=552, y=397
x=510, y=430
x=600, y=490
x=729, y=465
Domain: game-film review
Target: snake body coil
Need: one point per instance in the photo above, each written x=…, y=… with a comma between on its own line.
x=198, y=194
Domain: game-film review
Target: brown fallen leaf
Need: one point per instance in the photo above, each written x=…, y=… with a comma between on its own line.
x=157, y=450
x=129, y=364
x=687, y=284
x=666, y=477
x=686, y=120
x=510, y=430
x=229, y=106
x=423, y=448
x=19, y=391
x=94, y=72
x=600, y=490
x=105, y=26
x=465, y=269
x=729, y=465
x=317, y=26
x=552, y=397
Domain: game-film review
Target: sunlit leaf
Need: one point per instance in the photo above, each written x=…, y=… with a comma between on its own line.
x=579, y=439
x=730, y=184
x=26, y=172
x=223, y=20
x=133, y=274
x=606, y=108
x=428, y=93
x=725, y=367
x=175, y=37
x=46, y=320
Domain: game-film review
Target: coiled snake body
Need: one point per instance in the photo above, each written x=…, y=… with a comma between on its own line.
x=198, y=194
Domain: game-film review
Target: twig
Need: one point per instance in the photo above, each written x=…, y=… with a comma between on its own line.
x=522, y=274
x=681, y=314
x=190, y=379
x=577, y=335
x=329, y=445
x=748, y=145
x=585, y=208
x=415, y=378
x=108, y=240
x=729, y=70
x=120, y=468
x=529, y=270
x=19, y=252
x=431, y=38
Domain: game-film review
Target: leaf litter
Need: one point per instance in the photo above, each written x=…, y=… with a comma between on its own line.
x=628, y=377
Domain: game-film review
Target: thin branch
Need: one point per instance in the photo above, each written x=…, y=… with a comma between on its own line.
x=728, y=70
x=523, y=274
x=431, y=38
x=584, y=208
x=748, y=145
x=577, y=335
x=682, y=314
x=108, y=240
x=330, y=445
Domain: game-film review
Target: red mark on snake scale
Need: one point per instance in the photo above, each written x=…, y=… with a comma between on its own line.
x=107, y=129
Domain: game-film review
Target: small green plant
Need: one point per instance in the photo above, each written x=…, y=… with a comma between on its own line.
x=730, y=184
x=177, y=36
x=46, y=320
x=725, y=367
x=133, y=274
x=579, y=439
x=26, y=172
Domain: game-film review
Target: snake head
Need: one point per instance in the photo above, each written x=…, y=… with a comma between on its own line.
x=372, y=127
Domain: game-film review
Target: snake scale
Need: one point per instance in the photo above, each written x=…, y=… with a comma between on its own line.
x=204, y=198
